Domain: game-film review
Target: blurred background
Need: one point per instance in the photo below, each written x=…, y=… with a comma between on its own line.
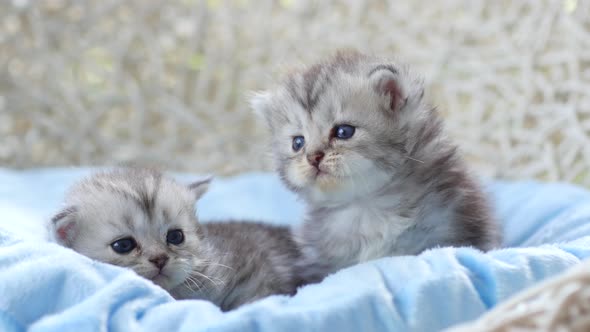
x=98, y=83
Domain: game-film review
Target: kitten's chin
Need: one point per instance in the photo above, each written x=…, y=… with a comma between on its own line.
x=162, y=281
x=308, y=178
x=327, y=188
x=325, y=182
x=337, y=183
x=167, y=280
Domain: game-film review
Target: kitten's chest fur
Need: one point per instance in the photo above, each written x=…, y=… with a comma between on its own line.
x=376, y=230
x=399, y=221
x=357, y=231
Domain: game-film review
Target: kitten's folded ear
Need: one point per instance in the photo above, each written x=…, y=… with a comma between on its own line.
x=64, y=226
x=200, y=187
x=401, y=92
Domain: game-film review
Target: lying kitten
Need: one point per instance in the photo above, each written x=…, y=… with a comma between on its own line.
x=354, y=138
x=139, y=219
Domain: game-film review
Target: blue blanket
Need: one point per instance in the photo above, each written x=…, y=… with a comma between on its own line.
x=44, y=287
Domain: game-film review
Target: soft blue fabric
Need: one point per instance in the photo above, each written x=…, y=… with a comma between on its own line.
x=44, y=287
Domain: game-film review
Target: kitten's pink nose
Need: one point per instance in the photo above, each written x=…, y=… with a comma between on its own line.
x=159, y=260
x=315, y=158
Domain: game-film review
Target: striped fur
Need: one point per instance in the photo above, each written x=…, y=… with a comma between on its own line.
x=397, y=187
x=228, y=264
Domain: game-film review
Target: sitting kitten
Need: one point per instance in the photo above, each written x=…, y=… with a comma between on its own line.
x=139, y=219
x=355, y=139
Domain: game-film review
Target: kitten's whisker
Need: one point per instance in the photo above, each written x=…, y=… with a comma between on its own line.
x=210, y=279
x=187, y=284
x=217, y=264
x=414, y=159
x=191, y=280
x=195, y=282
x=207, y=262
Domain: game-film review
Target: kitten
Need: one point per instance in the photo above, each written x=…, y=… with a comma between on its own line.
x=354, y=138
x=140, y=219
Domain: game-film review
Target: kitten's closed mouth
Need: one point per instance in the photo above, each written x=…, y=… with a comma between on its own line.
x=159, y=276
x=325, y=175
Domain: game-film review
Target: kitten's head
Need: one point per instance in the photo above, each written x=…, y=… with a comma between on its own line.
x=341, y=127
x=134, y=218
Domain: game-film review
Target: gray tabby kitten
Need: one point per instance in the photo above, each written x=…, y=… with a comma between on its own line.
x=354, y=138
x=140, y=219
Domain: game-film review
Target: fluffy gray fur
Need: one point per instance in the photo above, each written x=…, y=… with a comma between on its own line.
x=228, y=264
x=398, y=186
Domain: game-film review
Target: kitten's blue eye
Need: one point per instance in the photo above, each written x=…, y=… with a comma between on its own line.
x=298, y=143
x=124, y=246
x=175, y=237
x=344, y=131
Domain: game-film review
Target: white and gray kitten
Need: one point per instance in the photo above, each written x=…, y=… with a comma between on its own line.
x=140, y=219
x=354, y=138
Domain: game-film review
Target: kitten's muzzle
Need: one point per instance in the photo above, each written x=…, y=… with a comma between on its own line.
x=159, y=261
x=315, y=158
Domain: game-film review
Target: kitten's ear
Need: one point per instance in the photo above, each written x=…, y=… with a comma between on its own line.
x=386, y=82
x=65, y=226
x=200, y=187
x=403, y=89
x=260, y=103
